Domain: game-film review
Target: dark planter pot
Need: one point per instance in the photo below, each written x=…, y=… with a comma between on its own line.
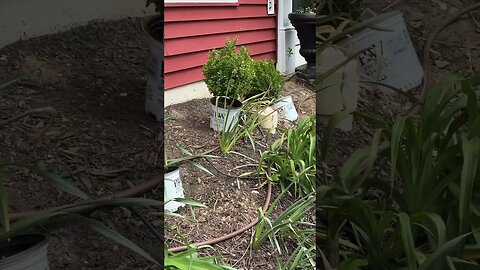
x=170, y=169
x=226, y=102
x=27, y=252
x=305, y=24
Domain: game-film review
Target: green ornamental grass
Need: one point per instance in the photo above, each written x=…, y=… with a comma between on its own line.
x=409, y=200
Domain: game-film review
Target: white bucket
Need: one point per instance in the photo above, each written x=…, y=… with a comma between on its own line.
x=223, y=118
x=286, y=109
x=173, y=189
x=269, y=119
x=392, y=59
x=34, y=258
x=154, y=101
x=339, y=90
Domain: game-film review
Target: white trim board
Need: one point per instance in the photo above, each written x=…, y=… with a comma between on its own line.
x=288, y=45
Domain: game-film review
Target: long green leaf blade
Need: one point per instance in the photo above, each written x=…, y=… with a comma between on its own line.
x=438, y=259
x=397, y=132
x=4, y=216
x=113, y=235
x=471, y=153
x=60, y=183
x=408, y=242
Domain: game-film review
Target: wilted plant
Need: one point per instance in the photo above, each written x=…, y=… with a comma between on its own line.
x=428, y=213
x=292, y=158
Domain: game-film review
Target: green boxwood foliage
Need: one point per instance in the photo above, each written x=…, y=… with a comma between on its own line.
x=266, y=79
x=228, y=71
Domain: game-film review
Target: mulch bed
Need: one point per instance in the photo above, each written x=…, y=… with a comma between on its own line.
x=101, y=139
x=232, y=202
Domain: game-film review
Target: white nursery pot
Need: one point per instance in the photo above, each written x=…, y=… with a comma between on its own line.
x=339, y=90
x=154, y=101
x=31, y=255
x=173, y=189
x=392, y=59
x=224, y=118
x=286, y=109
x=269, y=119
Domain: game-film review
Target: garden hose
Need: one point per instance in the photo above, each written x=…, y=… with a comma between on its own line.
x=232, y=234
x=431, y=39
x=142, y=189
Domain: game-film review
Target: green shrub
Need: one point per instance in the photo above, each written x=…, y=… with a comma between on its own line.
x=228, y=72
x=265, y=79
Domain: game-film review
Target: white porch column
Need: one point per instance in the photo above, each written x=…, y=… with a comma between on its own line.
x=286, y=39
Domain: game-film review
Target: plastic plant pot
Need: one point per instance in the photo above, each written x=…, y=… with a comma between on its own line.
x=391, y=58
x=225, y=113
x=173, y=188
x=286, y=109
x=340, y=90
x=269, y=119
x=25, y=252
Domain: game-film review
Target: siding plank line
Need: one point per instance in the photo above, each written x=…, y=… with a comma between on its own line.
x=191, y=31
x=186, y=61
x=200, y=28
x=195, y=44
x=192, y=75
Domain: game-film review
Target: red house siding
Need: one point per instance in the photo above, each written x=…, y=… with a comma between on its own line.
x=191, y=31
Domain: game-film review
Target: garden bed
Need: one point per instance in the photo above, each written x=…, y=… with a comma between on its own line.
x=232, y=202
x=101, y=140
